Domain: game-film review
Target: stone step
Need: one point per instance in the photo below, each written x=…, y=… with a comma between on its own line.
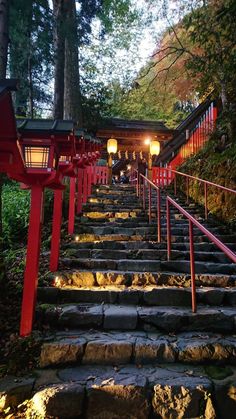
x=145, y=254
x=91, y=238
x=149, y=265
x=95, y=347
x=126, y=317
x=139, y=245
x=149, y=295
x=135, y=391
x=147, y=230
x=85, y=278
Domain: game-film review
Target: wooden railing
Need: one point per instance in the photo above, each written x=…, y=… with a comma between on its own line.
x=100, y=175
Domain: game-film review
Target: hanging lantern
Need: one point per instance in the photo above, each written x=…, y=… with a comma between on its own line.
x=154, y=148
x=141, y=155
x=112, y=145
x=134, y=155
x=126, y=155
x=119, y=154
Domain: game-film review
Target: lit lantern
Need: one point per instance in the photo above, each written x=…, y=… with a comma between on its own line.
x=126, y=155
x=154, y=148
x=39, y=155
x=112, y=145
x=147, y=141
x=119, y=155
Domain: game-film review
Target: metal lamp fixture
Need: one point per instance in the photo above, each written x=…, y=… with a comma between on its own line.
x=112, y=145
x=154, y=148
x=39, y=155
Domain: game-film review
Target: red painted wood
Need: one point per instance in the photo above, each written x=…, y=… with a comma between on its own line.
x=80, y=190
x=56, y=230
x=32, y=261
x=71, y=221
x=85, y=185
x=89, y=171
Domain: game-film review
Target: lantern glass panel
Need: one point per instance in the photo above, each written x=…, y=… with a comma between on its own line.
x=36, y=157
x=154, y=148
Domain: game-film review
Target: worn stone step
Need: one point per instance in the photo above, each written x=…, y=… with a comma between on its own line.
x=149, y=295
x=145, y=254
x=140, y=392
x=96, y=347
x=126, y=317
x=135, y=391
x=155, y=265
x=139, y=245
x=90, y=278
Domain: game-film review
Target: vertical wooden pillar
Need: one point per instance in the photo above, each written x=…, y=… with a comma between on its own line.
x=89, y=169
x=32, y=261
x=85, y=185
x=80, y=190
x=71, y=221
x=56, y=230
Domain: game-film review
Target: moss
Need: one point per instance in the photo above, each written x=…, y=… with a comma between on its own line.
x=218, y=373
x=217, y=165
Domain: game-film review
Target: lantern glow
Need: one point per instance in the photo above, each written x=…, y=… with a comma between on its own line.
x=36, y=157
x=147, y=141
x=112, y=145
x=154, y=148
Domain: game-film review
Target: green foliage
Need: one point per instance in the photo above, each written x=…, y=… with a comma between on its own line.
x=16, y=204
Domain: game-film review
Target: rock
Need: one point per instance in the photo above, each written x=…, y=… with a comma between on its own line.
x=120, y=317
x=83, y=279
x=225, y=398
x=146, y=278
x=159, y=350
x=110, y=352
x=61, y=352
x=183, y=398
x=168, y=296
x=112, y=278
x=129, y=297
x=124, y=398
x=207, y=349
x=211, y=296
x=15, y=390
x=63, y=400
x=81, y=315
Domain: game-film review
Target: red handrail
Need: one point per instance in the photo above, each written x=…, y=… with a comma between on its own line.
x=192, y=221
x=206, y=183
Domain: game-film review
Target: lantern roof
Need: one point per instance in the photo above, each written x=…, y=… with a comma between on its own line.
x=45, y=126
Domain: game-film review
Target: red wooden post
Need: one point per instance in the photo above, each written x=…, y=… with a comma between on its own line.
x=32, y=261
x=85, y=185
x=56, y=230
x=89, y=187
x=192, y=267
x=80, y=190
x=168, y=229
x=158, y=215
x=71, y=222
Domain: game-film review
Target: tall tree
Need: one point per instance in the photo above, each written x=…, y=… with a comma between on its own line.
x=59, y=14
x=72, y=93
x=4, y=39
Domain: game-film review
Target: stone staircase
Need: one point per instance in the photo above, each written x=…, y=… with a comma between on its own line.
x=121, y=340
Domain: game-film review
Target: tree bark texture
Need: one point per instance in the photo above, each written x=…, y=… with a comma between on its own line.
x=59, y=12
x=72, y=94
x=4, y=36
x=4, y=39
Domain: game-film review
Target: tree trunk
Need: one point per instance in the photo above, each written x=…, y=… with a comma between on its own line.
x=72, y=95
x=59, y=47
x=4, y=39
x=4, y=36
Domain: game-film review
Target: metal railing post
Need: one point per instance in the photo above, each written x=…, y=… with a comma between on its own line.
x=192, y=267
x=205, y=200
x=144, y=194
x=187, y=189
x=149, y=202
x=168, y=229
x=158, y=215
